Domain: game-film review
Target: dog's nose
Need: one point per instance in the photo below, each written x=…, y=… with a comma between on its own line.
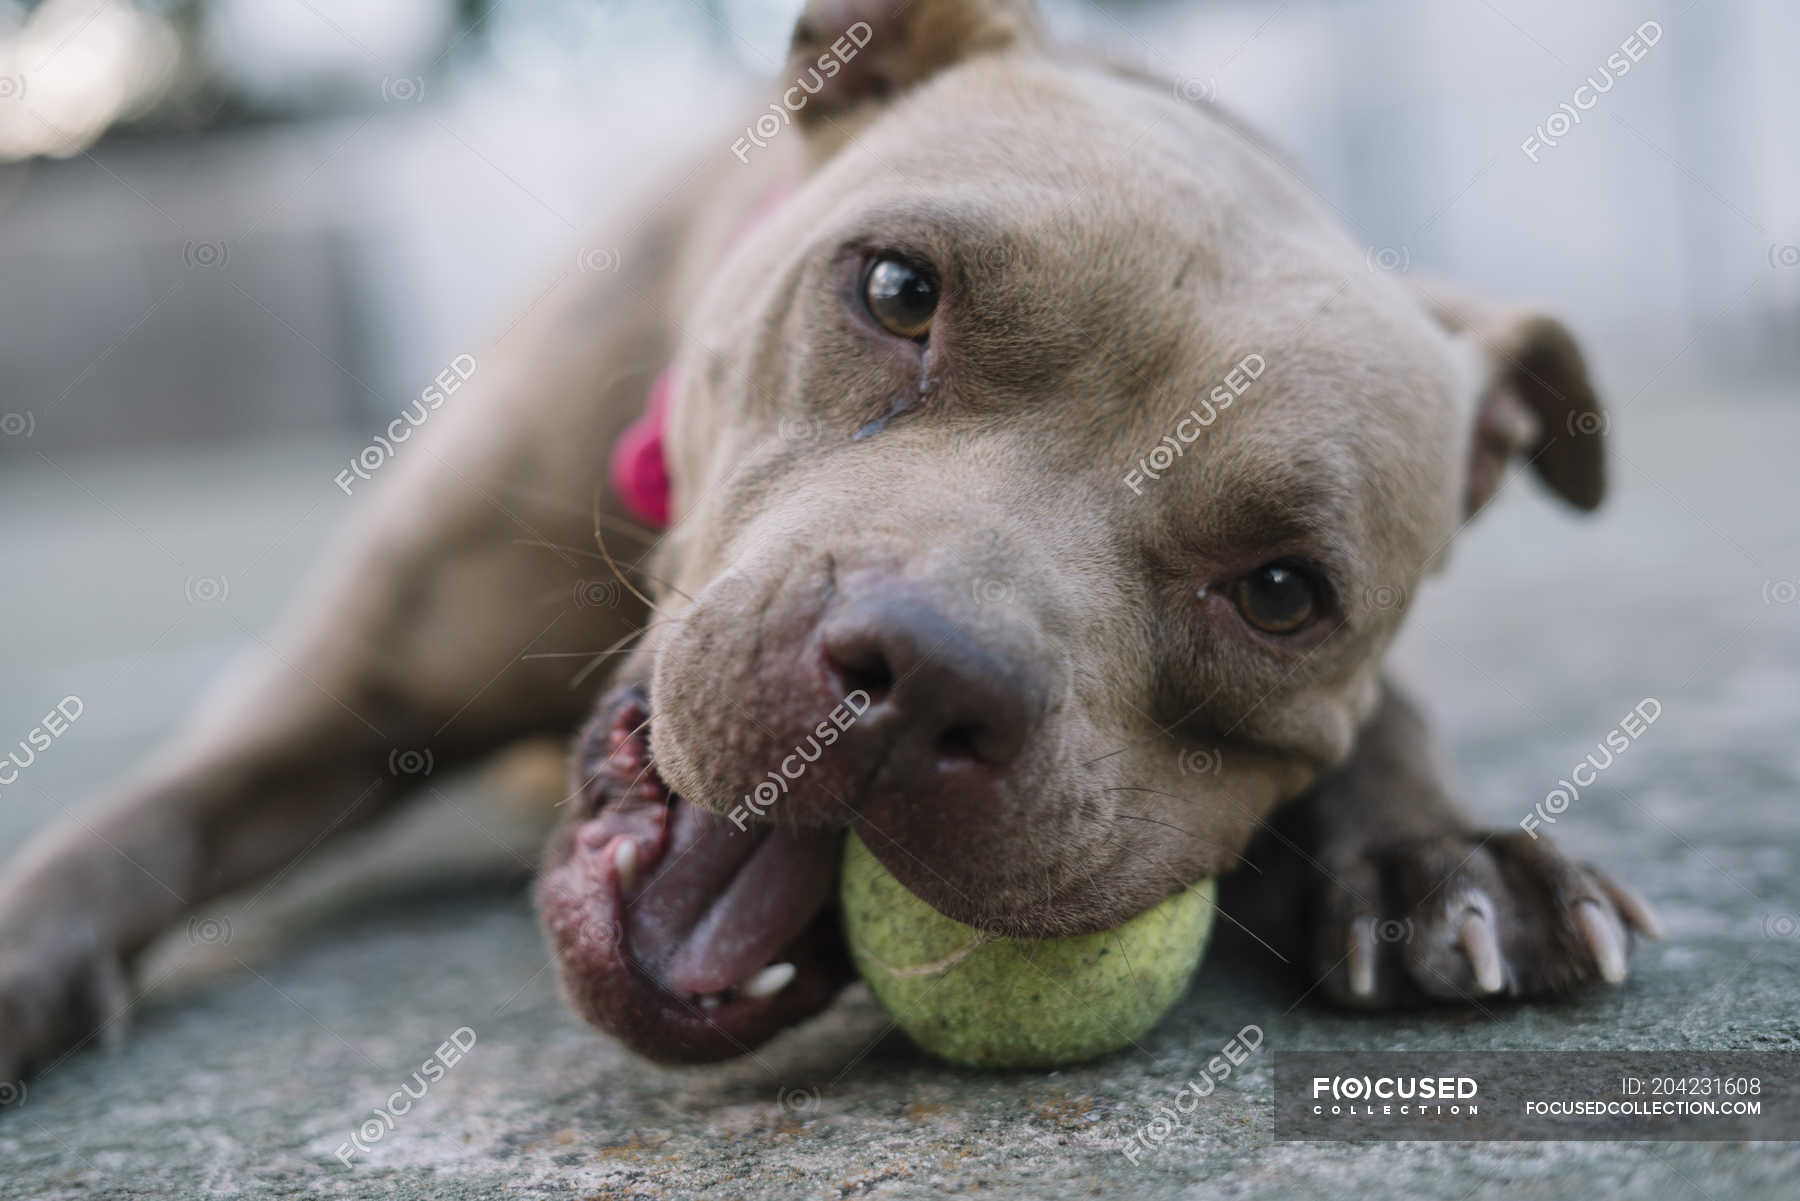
x=941, y=697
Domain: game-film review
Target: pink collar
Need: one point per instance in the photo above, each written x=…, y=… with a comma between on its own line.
x=640, y=467
x=640, y=461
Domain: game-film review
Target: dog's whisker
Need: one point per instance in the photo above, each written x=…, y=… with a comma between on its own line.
x=1221, y=911
x=600, y=540
x=545, y=544
x=623, y=743
x=601, y=656
x=1151, y=791
x=630, y=529
x=669, y=620
x=580, y=677
x=562, y=505
x=648, y=764
x=595, y=774
x=1105, y=757
x=573, y=654
x=1226, y=802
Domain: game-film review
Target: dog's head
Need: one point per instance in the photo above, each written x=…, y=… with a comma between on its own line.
x=1051, y=475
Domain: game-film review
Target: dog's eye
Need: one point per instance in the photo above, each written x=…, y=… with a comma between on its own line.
x=901, y=296
x=1277, y=598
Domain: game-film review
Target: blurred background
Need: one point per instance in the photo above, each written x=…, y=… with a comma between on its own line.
x=217, y=216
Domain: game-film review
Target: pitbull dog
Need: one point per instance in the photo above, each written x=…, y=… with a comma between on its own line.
x=1033, y=438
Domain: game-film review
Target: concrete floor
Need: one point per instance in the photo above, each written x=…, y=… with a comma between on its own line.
x=252, y=1058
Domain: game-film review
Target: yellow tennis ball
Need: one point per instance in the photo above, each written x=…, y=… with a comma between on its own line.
x=988, y=1001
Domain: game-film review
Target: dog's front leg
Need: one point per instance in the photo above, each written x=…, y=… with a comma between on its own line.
x=1406, y=899
x=86, y=896
x=317, y=744
x=417, y=654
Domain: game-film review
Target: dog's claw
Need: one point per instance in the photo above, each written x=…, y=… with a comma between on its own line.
x=1475, y=934
x=1475, y=916
x=1634, y=909
x=1603, y=938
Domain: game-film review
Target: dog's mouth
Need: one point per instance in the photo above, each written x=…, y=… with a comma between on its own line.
x=690, y=937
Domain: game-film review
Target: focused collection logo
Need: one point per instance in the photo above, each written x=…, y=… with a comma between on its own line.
x=1395, y=1096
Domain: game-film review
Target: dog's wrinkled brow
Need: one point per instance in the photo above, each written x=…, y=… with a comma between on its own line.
x=1303, y=513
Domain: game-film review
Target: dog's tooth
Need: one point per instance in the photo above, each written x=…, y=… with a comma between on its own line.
x=769, y=981
x=1603, y=938
x=625, y=861
x=1475, y=934
x=709, y=1000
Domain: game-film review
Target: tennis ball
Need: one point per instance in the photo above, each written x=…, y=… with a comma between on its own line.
x=989, y=1001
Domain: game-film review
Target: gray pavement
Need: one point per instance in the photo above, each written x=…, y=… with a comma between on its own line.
x=251, y=1059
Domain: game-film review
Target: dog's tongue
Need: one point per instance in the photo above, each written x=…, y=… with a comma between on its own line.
x=719, y=903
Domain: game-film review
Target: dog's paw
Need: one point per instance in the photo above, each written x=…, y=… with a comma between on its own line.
x=55, y=992
x=1464, y=917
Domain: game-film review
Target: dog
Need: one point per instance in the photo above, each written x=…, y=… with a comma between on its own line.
x=1026, y=436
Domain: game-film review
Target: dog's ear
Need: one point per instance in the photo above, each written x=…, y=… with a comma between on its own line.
x=846, y=52
x=1536, y=402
